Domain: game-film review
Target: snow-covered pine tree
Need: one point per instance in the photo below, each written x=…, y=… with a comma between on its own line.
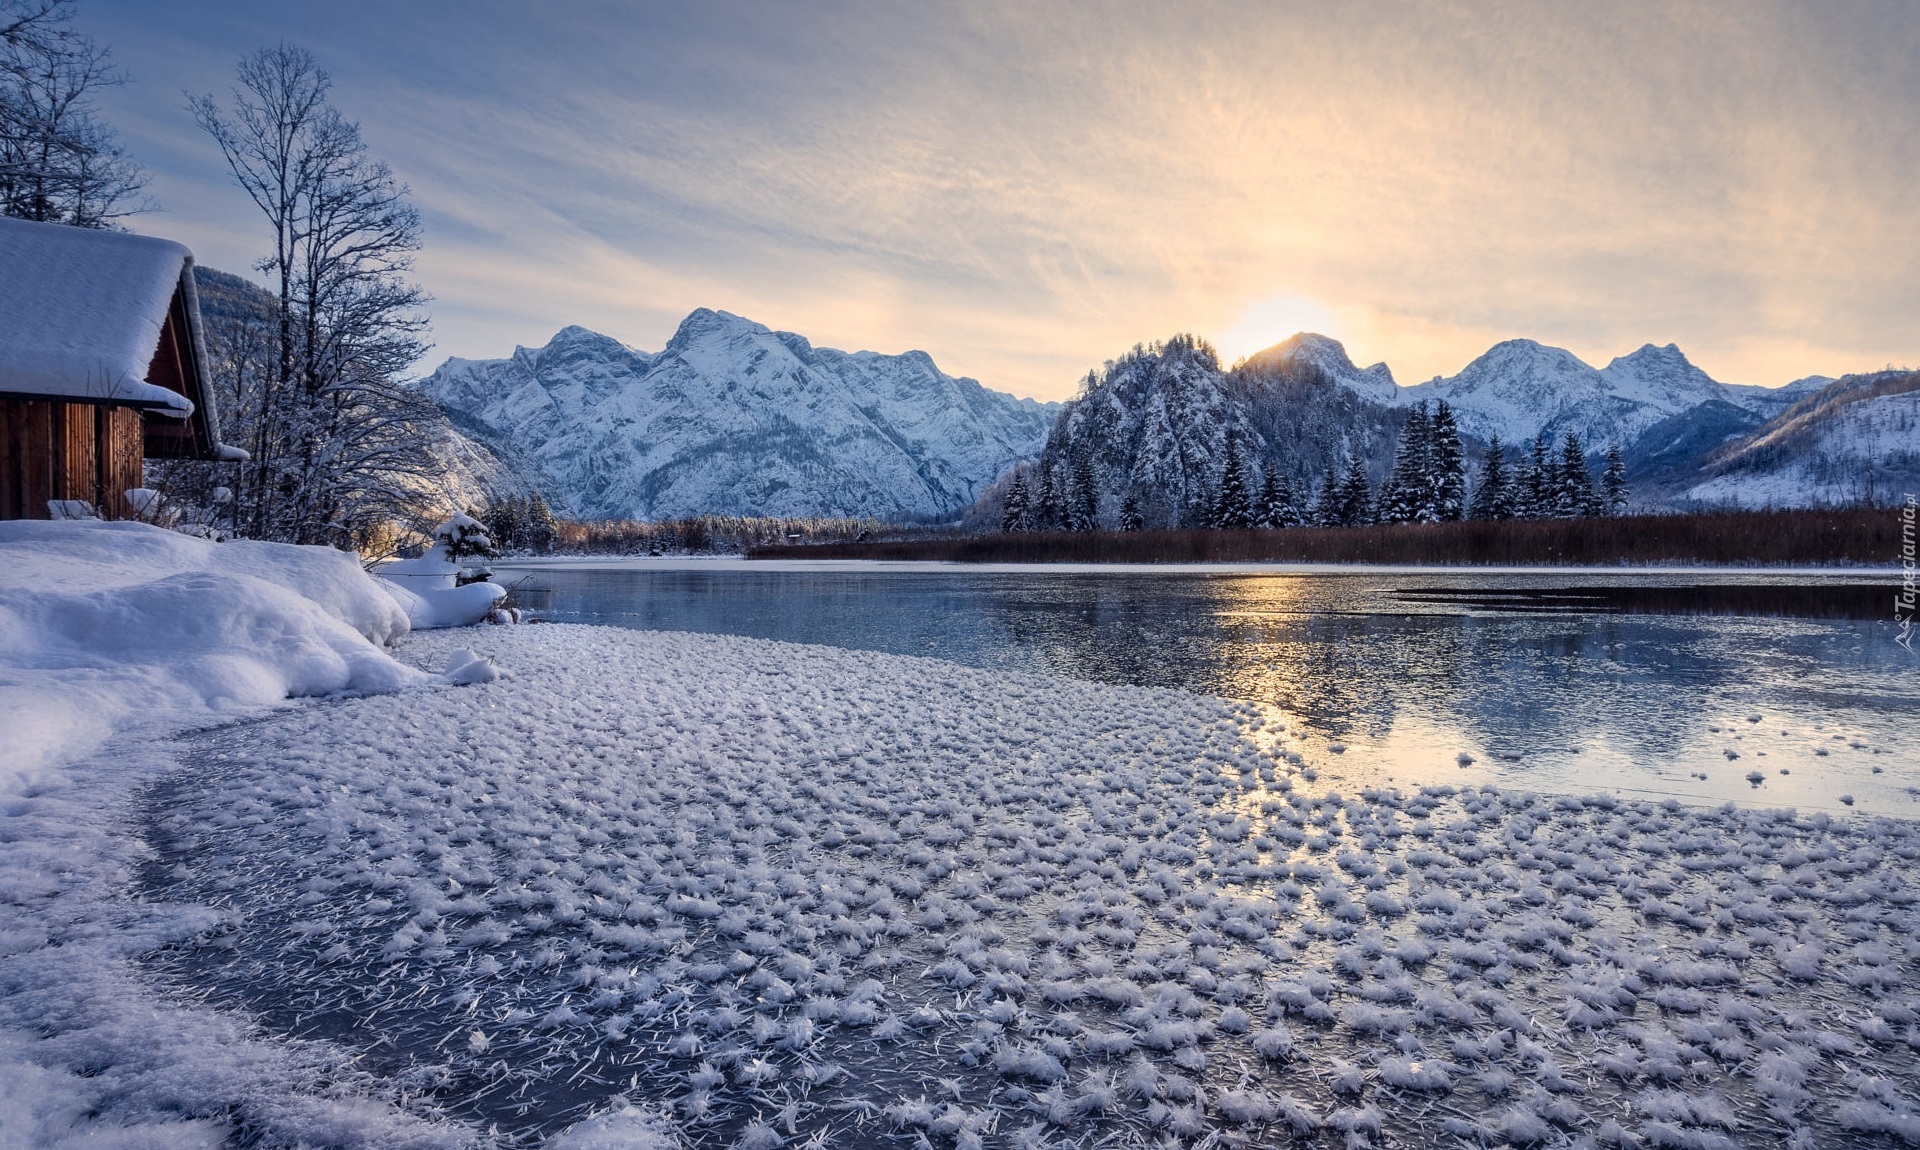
x=1494, y=497
x=1326, y=508
x=1070, y=501
x=1299, y=494
x=1537, y=480
x=1233, y=507
x=1083, y=505
x=540, y=530
x=1013, y=513
x=1404, y=496
x=1130, y=517
x=1447, y=466
x=1267, y=509
x=1573, y=487
x=1044, y=515
x=1613, y=483
x=505, y=521
x=1356, y=494
x=464, y=537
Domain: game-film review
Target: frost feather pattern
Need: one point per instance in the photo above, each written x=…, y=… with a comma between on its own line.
x=810, y=896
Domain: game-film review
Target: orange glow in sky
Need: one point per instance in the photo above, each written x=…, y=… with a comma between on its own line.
x=1027, y=190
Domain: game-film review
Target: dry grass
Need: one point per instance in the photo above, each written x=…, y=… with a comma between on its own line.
x=1807, y=536
x=704, y=533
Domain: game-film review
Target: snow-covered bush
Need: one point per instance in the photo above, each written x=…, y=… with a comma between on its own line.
x=435, y=590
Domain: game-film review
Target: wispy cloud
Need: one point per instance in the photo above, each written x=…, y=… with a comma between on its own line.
x=1026, y=190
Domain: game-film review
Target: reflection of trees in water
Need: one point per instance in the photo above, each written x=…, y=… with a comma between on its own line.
x=1145, y=632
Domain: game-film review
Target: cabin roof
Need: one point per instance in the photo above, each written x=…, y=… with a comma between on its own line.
x=82, y=312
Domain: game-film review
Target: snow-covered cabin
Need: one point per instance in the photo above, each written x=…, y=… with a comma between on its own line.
x=102, y=366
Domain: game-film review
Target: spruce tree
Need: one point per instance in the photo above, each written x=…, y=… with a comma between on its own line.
x=1013, y=514
x=1538, y=480
x=1045, y=513
x=1493, y=499
x=1613, y=483
x=1130, y=517
x=1403, y=497
x=542, y=532
x=1085, y=503
x=1076, y=500
x=1447, y=466
x=1356, y=494
x=1573, y=488
x=1298, y=493
x=1233, y=508
x=1326, y=509
x=1268, y=510
x=505, y=522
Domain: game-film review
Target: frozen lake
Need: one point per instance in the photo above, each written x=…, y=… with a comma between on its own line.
x=763, y=894
x=1405, y=670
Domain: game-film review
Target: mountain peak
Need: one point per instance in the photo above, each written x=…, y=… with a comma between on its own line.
x=574, y=343
x=703, y=322
x=1665, y=354
x=1521, y=349
x=1329, y=356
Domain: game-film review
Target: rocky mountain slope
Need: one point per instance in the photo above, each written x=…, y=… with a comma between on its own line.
x=734, y=418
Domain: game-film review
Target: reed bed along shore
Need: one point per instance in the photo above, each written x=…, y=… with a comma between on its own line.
x=1846, y=536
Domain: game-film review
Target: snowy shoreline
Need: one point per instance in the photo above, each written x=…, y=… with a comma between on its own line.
x=768, y=893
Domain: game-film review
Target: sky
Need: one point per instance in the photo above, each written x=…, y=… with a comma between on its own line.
x=1027, y=189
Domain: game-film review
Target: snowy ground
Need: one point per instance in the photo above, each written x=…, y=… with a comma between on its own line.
x=108, y=627
x=778, y=895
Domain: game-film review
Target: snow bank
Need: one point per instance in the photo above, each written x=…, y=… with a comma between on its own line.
x=430, y=606
x=104, y=626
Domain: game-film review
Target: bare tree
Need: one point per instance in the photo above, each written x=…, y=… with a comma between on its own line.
x=58, y=162
x=341, y=441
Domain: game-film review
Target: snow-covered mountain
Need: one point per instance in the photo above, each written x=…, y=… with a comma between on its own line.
x=1154, y=426
x=734, y=418
x=1520, y=388
x=1309, y=355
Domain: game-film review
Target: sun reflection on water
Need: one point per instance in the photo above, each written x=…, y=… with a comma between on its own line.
x=1685, y=706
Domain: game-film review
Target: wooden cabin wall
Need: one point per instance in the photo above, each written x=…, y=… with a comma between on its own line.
x=122, y=459
x=55, y=450
x=172, y=369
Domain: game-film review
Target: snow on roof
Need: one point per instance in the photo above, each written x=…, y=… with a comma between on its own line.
x=81, y=312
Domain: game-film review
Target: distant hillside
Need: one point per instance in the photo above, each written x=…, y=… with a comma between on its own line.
x=1856, y=440
x=238, y=315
